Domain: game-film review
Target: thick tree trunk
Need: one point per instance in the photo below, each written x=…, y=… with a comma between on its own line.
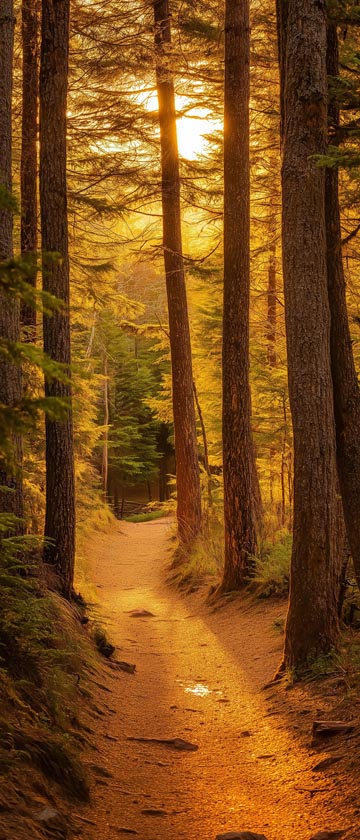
x=29, y=165
x=345, y=381
x=312, y=623
x=238, y=451
x=11, y=497
x=187, y=467
x=60, y=493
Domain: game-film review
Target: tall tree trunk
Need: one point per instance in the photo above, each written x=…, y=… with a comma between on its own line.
x=11, y=496
x=60, y=493
x=187, y=467
x=271, y=304
x=312, y=622
x=282, y=12
x=345, y=381
x=238, y=451
x=206, y=462
x=29, y=164
x=105, y=452
x=271, y=330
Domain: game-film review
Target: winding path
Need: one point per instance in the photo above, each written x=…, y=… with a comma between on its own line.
x=199, y=677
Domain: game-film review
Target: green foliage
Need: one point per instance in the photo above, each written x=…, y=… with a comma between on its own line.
x=17, y=276
x=148, y=515
x=41, y=659
x=339, y=158
x=198, y=27
x=321, y=665
x=27, y=639
x=134, y=376
x=16, y=283
x=8, y=201
x=344, y=11
x=273, y=569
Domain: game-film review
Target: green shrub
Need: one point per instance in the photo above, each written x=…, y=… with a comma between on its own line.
x=272, y=572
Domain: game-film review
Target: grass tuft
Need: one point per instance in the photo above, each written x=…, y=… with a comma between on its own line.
x=189, y=570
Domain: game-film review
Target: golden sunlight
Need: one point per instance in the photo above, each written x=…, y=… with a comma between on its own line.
x=192, y=129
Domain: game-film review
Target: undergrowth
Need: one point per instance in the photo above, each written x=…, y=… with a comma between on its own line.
x=146, y=516
x=205, y=560
x=92, y=515
x=272, y=568
x=42, y=651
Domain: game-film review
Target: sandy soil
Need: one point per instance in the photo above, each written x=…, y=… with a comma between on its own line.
x=199, y=676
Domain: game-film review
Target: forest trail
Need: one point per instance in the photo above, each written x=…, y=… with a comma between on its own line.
x=199, y=677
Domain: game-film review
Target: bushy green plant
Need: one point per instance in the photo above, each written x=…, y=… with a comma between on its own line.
x=272, y=572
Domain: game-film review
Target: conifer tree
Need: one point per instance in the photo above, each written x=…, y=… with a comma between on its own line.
x=238, y=451
x=29, y=163
x=11, y=491
x=312, y=623
x=187, y=468
x=344, y=376
x=60, y=493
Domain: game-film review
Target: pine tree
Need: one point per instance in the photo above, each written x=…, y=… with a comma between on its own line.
x=29, y=163
x=238, y=452
x=187, y=468
x=11, y=490
x=312, y=623
x=60, y=494
x=344, y=376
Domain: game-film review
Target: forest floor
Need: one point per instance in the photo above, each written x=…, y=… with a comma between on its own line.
x=200, y=677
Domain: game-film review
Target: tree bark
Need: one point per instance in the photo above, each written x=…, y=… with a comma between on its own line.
x=205, y=447
x=271, y=337
x=271, y=305
x=105, y=452
x=29, y=163
x=238, y=451
x=187, y=467
x=11, y=495
x=60, y=494
x=345, y=381
x=282, y=11
x=312, y=622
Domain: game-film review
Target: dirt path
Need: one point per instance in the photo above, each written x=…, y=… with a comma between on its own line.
x=199, y=677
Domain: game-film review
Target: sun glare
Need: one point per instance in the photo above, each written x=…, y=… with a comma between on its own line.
x=192, y=133
x=192, y=129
